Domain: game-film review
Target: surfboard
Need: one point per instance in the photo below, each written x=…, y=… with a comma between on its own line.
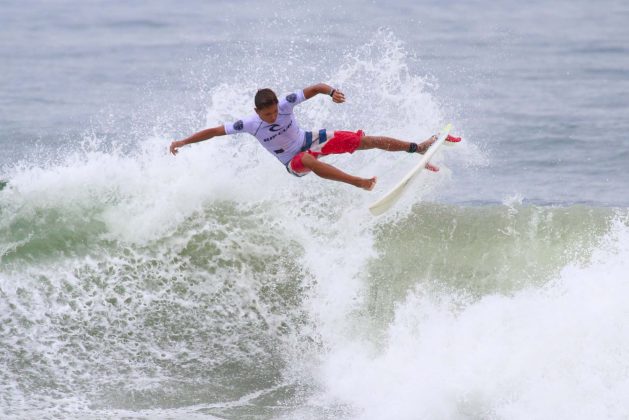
x=390, y=198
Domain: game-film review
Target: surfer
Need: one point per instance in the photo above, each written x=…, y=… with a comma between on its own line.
x=275, y=127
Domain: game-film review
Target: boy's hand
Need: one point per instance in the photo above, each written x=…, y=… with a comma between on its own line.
x=338, y=97
x=174, y=146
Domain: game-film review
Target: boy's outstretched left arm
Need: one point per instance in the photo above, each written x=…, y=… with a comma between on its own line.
x=337, y=95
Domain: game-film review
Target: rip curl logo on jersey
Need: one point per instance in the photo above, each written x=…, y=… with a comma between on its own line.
x=238, y=125
x=278, y=130
x=292, y=98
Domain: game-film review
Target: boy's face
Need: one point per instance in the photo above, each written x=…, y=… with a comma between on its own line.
x=268, y=114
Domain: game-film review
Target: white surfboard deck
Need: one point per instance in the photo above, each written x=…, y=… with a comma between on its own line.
x=390, y=198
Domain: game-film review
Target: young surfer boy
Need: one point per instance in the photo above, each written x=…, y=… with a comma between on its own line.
x=275, y=127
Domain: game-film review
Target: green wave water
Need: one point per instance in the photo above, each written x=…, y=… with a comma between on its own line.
x=218, y=306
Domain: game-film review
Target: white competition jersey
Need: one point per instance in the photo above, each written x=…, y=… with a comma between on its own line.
x=283, y=138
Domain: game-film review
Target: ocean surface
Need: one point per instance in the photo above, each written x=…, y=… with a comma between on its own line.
x=213, y=285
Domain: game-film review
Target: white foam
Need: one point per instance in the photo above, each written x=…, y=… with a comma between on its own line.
x=556, y=352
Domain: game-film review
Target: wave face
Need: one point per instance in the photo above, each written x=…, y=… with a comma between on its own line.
x=507, y=312
x=213, y=284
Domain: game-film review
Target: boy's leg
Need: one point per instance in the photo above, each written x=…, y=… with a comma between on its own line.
x=393, y=145
x=327, y=171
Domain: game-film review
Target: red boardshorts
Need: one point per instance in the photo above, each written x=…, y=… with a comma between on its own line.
x=341, y=142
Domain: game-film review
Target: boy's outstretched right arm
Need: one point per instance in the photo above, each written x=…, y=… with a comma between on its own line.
x=206, y=134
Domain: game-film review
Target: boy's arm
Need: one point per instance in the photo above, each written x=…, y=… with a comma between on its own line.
x=206, y=134
x=337, y=95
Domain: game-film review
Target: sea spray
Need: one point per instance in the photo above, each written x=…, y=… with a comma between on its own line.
x=214, y=283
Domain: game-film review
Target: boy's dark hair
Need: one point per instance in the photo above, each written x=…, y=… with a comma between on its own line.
x=264, y=98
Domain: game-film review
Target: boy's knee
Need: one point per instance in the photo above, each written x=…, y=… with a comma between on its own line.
x=308, y=160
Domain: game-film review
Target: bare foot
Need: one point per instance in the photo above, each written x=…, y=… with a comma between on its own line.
x=368, y=184
x=432, y=167
x=423, y=146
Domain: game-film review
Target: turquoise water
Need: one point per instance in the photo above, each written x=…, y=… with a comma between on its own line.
x=135, y=284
